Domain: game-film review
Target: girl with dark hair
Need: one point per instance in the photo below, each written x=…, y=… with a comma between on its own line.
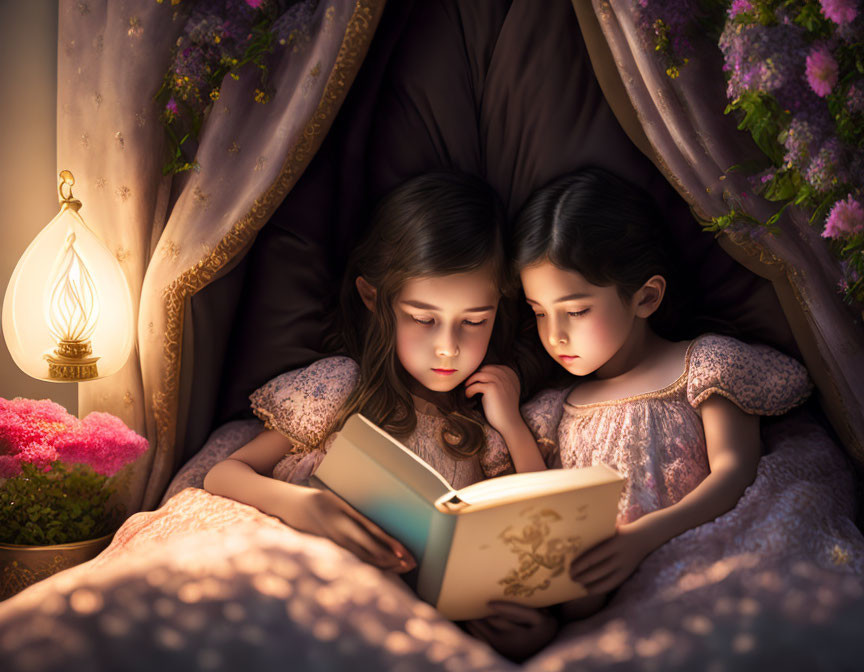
x=677, y=418
x=419, y=303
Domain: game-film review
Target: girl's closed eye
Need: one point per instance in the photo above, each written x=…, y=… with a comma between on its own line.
x=425, y=321
x=578, y=313
x=474, y=323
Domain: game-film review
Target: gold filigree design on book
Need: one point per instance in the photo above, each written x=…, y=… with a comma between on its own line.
x=540, y=556
x=358, y=35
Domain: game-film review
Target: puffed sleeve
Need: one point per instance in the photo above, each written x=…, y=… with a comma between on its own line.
x=495, y=458
x=758, y=379
x=542, y=413
x=302, y=404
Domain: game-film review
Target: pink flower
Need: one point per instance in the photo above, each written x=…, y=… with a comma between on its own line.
x=255, y=4
x=171, y=106
x=821, y=71
x=41, y=432
x=104, y=442
x=846, y=217
x=739, y=7
x=839, y=11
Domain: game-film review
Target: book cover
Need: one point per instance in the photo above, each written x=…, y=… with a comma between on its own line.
x=507, y=538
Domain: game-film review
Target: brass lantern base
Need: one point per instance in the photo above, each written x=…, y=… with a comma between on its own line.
x=72, y=361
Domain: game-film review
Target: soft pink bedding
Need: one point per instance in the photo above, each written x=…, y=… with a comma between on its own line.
x=208, y=583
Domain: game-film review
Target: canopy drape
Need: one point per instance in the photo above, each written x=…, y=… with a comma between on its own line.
x=173, y=236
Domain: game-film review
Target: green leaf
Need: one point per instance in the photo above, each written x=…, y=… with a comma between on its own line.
x=781, y=188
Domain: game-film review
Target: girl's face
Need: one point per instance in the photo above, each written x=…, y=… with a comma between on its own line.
x=582, y=326
x=443, y=326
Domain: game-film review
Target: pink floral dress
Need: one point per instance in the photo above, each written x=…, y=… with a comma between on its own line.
x=301, y=404
x=656, y=440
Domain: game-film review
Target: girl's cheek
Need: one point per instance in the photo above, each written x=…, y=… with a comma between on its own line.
x=475, y=345
x=409, y=339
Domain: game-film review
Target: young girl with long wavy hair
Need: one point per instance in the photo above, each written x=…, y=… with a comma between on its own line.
x=419, y=303
x=679, y=419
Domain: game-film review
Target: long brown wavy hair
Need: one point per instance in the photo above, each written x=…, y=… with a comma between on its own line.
x=432, y=225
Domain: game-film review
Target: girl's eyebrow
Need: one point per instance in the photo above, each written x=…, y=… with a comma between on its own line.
x=569, y=297
x=427, y=306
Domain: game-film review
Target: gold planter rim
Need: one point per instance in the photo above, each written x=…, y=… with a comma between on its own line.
x=56, y=547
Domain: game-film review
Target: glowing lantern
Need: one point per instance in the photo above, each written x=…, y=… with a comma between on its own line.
x=67, y=315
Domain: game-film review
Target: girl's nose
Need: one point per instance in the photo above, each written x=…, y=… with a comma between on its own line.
x=447, y=346
x=557, y=336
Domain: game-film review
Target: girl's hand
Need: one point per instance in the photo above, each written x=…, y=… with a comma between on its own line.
x=499, y=386
x=609, y=563
x=515, y=631
x=323, y=513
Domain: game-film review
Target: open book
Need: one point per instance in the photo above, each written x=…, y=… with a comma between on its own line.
x=507, y=538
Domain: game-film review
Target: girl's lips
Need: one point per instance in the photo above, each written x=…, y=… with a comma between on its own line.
x=569, y=358
x=444, y=372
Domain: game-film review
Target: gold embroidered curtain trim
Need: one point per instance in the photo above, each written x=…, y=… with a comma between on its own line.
x=358, y=35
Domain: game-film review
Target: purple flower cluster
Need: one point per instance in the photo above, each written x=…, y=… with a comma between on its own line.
x=667, y=25
x=777, y=58
x=855, y=97
x=841, y=12
x=215, y=34
x=766, y=59
x=217, y=37
x=828, y=167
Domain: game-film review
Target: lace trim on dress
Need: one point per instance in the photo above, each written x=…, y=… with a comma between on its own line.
x=270, y=423
x=704, y=394
x=668, y=391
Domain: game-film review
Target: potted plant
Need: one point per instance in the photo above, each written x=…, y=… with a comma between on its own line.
x=57, y=477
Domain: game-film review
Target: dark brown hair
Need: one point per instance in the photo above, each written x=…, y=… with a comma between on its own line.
x=605, y=228
x=432, y=225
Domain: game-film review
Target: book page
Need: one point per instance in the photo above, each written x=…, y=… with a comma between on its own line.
x=521, y=551
x=526, y=485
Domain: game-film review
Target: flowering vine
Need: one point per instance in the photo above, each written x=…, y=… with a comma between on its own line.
x=222, y=38
x=795, y=81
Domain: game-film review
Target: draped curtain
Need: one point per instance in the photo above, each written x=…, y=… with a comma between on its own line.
x=172, y=236
x=679, y=123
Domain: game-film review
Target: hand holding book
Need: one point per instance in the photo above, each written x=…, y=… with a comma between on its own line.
x=510, y=538
x=323, y=513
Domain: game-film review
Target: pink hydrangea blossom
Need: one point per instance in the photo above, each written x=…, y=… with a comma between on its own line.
x=821, y=71
x=171, y=106
x=839, y=11
x=104, y=442
x=40, y=432
x=846, y=218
